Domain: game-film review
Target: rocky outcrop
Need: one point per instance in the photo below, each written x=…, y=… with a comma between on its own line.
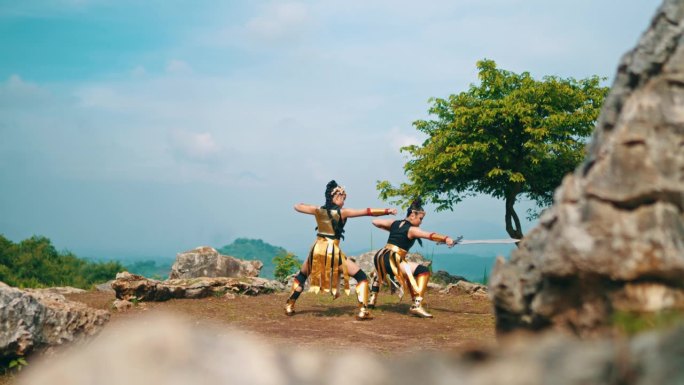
x=206, y=261
x=40, y=319
x=163, y=350
x=443, y=277
x=465, y=287
x=614, y=239
x=130, y=286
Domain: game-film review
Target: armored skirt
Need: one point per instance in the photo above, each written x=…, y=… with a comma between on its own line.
x=325, y=257
x=390, y=263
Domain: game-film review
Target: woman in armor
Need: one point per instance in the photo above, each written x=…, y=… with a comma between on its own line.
x=390, y=261
x=326, y=261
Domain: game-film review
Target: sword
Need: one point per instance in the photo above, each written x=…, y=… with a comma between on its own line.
x=461, y=241
x=478, y=241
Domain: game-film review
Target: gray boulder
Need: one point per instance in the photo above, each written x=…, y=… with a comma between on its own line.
x=614, y=239
x=42, y=319
x=205, y=261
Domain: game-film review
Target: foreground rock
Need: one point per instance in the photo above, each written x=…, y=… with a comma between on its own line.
x=164, y=350
x=128, y=286
x=206, y=261
x=614, y=239
x=40, y=319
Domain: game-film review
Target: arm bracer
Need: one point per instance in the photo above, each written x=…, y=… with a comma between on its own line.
x=376, y=212
x=438, y=237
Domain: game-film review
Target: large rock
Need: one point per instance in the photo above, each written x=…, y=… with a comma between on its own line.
x=40, y=319
x=130, y=286
x=614, y=238
x=206, y=261
x=164, y=350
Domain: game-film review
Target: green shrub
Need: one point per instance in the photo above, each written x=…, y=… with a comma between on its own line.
x=34, y=262
x=632, y=323
x=285, y=265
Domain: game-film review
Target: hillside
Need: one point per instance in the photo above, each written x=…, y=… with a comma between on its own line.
x=245, y=248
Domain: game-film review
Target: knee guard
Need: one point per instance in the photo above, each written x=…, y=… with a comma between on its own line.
x=297, y=283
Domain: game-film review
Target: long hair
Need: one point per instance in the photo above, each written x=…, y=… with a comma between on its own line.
x=329, y=205
x=328, y=193
x=416, y=207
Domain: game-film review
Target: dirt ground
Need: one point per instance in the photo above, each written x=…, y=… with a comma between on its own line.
x=461, y=322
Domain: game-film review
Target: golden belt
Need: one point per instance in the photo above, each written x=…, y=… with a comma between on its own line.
x=402, y=253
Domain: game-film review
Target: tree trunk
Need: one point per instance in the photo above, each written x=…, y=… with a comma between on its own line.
x=512, y=216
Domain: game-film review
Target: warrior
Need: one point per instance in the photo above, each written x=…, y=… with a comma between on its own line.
x=326, y=261
x=391, y=264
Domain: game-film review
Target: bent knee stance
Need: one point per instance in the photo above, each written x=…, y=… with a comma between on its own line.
x=301, y=279
x=360, y=276
x=420, y=270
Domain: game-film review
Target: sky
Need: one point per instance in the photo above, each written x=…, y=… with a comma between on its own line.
x=141, y=129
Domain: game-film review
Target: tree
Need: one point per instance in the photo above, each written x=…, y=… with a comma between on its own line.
x=511, y=135
x=285, y=265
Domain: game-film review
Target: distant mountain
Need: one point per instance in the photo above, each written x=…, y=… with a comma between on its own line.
x=245, y=248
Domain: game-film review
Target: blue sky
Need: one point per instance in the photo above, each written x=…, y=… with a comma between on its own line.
x=143, y=129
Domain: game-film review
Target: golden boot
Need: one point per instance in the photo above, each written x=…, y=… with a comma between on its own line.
x=290, y=307
x=362, y=293
x=290, y=304
x=417, y=307
x=372, y=299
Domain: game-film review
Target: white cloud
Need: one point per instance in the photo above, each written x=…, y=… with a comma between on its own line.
x=280, y=21
x=199, y=146
x=138, y=71
x=176, y=66
x=401, y=138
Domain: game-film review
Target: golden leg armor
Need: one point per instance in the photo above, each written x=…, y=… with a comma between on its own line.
x=290, y=304
x=417, y=307
x=422, y=283
x=362, y=293
x=373, y=299
x=290, y=307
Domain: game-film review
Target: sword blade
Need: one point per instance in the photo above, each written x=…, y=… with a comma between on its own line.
x=480, y=241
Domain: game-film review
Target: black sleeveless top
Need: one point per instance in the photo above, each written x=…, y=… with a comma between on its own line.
x=399, y=235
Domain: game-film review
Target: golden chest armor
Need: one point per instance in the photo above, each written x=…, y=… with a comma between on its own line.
x=325, y=221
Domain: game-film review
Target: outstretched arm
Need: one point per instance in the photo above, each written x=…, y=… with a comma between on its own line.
x=383, y=223
x=351, y=213
x=306, y=209
x=416, y=232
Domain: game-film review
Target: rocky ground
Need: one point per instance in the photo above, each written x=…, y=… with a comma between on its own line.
x=461, y=322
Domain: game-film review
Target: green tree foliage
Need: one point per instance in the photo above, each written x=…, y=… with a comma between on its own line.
x=34, y=262
x=509, y=136
x=285, y=265
x=245, y=248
